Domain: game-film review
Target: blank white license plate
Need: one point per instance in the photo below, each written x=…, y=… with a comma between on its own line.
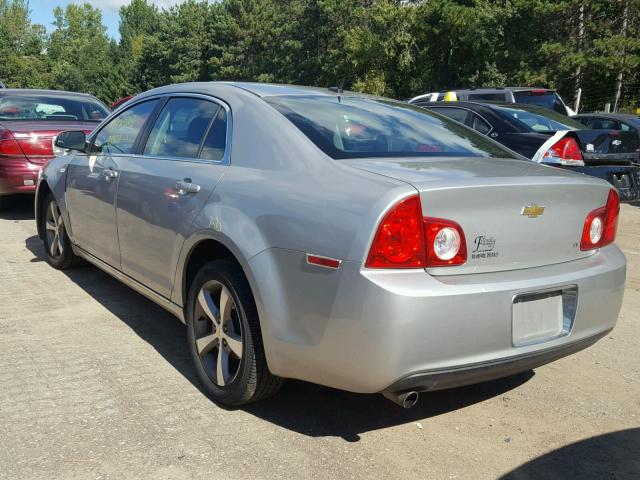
x=536, y=318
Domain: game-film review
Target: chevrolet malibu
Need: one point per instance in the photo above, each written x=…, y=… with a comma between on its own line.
x=351, y=241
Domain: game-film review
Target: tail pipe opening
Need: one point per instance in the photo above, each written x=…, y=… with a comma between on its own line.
x=404, y=399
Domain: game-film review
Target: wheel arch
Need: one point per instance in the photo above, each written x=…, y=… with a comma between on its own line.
x=200, y=250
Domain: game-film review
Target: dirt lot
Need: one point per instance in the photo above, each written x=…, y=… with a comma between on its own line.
x=96, y=382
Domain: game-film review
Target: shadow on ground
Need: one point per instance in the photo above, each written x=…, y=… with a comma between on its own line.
x=302, y=407
x=17, y=207
x=613, y=455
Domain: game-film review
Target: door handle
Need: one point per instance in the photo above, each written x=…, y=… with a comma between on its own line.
x=109, y=174
x=185, y=187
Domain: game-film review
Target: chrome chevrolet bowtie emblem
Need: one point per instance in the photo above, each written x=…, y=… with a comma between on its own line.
x=532, y=210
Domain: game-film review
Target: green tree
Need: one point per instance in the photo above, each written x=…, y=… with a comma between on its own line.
x=81, y=54
x=22, y=59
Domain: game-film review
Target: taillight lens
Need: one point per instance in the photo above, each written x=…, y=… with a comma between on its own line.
x=9, y=146
x=399, y=241
x=18, y=144
x=406, y=239
x=446, y=245
x=601, y=225
x=34, y=145
x=565, y=151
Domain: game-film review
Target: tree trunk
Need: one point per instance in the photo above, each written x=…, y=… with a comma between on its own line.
x=623, y=32
x=578, y=73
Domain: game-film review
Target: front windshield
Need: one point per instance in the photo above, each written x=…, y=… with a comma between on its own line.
x=51, y=107
x=354, y=127
x=540, y=122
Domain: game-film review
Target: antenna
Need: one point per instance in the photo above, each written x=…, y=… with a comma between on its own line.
x=338, y=90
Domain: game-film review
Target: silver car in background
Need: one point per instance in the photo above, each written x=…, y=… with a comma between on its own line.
x=351, y=241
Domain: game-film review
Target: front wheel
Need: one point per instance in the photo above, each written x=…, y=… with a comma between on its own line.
x=225, y=338
x=57, y=245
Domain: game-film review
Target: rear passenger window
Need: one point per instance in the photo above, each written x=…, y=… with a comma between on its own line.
x=180, y=128
x=603, y=124
x=457, y=114
x=215, y=143
x=480, y=125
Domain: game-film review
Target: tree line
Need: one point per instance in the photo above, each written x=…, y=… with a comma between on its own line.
x=388, y=47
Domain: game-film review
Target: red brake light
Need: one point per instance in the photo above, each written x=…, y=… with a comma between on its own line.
x=539, y=91
x=601, y=224
x=8, y=145
x=566, y=151
x=34, y=145
x=406, y=239
x=399, y=241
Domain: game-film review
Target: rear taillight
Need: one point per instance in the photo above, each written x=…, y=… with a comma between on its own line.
x=30, y=145
x=406, y=239
x=399, y=241
x=9, y=146
x=601, y=225
x=565, y=151
x=34, y=145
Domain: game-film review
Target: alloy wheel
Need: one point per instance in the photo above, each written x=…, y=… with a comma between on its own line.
x=54, y=230
x=218, y=333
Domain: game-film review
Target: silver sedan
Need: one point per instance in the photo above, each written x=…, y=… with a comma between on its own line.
x=352, y=241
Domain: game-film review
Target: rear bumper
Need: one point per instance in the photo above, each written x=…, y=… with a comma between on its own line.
x=372, y=330
x=18, y=176
x=625, y=178
x=483, y=372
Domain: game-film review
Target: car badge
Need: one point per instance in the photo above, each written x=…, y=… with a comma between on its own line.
x=532, y=210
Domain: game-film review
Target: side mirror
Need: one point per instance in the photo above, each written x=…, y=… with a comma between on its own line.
x=72, y=140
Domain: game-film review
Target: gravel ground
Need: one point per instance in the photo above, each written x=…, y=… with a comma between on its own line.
x=96, y=382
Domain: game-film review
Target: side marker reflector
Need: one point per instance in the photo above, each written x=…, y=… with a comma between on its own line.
x=325, y=262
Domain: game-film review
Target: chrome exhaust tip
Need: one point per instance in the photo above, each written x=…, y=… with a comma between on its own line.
x=404, y=399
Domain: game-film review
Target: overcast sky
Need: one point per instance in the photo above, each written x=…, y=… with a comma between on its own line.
x=42, y=11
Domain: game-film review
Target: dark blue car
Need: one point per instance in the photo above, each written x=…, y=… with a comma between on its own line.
x=554, y=139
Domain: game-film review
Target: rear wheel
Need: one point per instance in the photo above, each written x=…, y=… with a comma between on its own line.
x=225, y=338
x=57, y=245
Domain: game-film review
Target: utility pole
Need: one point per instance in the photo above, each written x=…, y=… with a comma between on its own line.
x=623, y=32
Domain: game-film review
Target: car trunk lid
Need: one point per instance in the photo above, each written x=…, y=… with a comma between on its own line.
x=36, y=138
x=515, y=214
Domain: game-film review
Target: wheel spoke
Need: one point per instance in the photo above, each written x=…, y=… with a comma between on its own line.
x=54, y=245
x=234, y=342
x=226, y=302
x=60, y=247
x=54, y=213
x=51, y=226
x=207, y=305
x=206, y=344
x=222, y=368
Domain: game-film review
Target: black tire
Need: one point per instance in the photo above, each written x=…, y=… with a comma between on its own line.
x=252, y=380
x=62, y=256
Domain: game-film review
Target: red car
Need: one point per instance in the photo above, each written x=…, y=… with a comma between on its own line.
x=29, y=122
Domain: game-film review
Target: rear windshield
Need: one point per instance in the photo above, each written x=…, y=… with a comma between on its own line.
x=541, y=121
x=51, y=107
x=351, y=127
x=548, y=99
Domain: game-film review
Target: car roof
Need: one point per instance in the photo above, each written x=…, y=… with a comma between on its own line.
x=259, y=90
x=36, y=91
x=491, y=105
x=276, y=89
